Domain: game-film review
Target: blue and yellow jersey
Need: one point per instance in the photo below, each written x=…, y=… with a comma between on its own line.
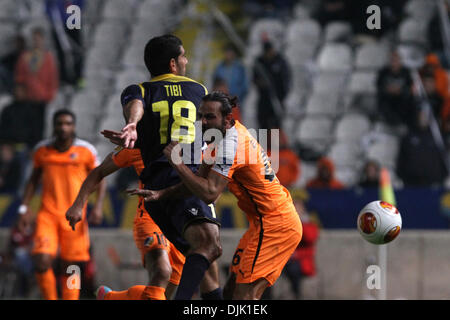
x=170, y=111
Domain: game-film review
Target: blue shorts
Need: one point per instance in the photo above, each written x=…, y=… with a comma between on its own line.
x=173, y=216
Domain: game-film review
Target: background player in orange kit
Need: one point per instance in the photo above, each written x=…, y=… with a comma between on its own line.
x=62, y=163
x=275, y=229
x=160, y=258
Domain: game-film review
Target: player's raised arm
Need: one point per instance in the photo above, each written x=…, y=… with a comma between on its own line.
x=96, y=214
x=90, y=184
x=132, y=99
x=208, y=188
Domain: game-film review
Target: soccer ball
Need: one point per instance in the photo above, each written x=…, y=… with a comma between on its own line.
x=379, y=222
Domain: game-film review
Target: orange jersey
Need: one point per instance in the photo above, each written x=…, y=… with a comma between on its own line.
x=63, y=173
x=241, y=160
x=147, y=235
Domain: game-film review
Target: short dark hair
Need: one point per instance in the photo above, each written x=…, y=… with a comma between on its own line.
x=159, y=51
x=227, y=103
x=63, y=112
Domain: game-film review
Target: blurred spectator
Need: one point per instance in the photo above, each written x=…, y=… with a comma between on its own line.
x=435, y=36
x=10, y=168
x=302, y=264
x=232, y=71
x=16, y=121
x=394, y=84
x=272, y=77
x=36, y=70
x=289, y=169
x=371, y=175
x=8, y=63
x=325, y=176
x=333, y=10
x=19, y=251
x=420, y=162
x=435, y=100
x=433, y=68
x=221, y=85
x=68, y=42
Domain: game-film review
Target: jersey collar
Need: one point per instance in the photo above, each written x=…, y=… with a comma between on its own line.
x=166, y=76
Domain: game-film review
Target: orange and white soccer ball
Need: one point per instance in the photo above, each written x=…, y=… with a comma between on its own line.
x=379, y=222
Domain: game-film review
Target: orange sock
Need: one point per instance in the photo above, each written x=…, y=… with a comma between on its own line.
x=134, y=293
x=47, y=284
x=68, y=293
x=153, y=293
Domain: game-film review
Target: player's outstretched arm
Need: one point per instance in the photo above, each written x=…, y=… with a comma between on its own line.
x=96, y=214
x=90, y=184
x=127, y=137
x=208, y=188
x=26, y=215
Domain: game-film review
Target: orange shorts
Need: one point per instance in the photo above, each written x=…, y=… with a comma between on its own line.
x=53, y=232
x=266, y=247
x=148, y=236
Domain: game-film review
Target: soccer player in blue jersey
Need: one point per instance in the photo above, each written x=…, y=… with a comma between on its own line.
x=158, y=112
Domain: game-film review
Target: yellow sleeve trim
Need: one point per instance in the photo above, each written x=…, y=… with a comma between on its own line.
x=142, y=89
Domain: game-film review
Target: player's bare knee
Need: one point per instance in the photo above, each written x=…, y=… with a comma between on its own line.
x=158, y=265
x=163, y=271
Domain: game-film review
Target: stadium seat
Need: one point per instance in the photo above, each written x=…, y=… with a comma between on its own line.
x=315, y=132
x=335, y=57
x=300, y=54
x=301, y=12
x=385, y=152
x=329, y=82
x=8, y=32
x=304, y=32
x=338, y=31
x=102, y=55
x=110, y=32
x=345, y=154
x=325, y=104
x=112, y=121
x=104, y=147
x=162, y=10
x=131, y=76
x=412, y=31
x=413, y=56
x=372, y=56
x=119, y=9
x=363, y=82
x=8, y=10
x=352, y=127
x=88, y=102
x=293, y=103
x=420, y=9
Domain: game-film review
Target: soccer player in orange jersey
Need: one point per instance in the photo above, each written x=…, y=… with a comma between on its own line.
x=160, y=258
x=62, y=163
x=274, y=230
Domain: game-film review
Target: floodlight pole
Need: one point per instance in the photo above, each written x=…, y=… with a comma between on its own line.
x=382, y=263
